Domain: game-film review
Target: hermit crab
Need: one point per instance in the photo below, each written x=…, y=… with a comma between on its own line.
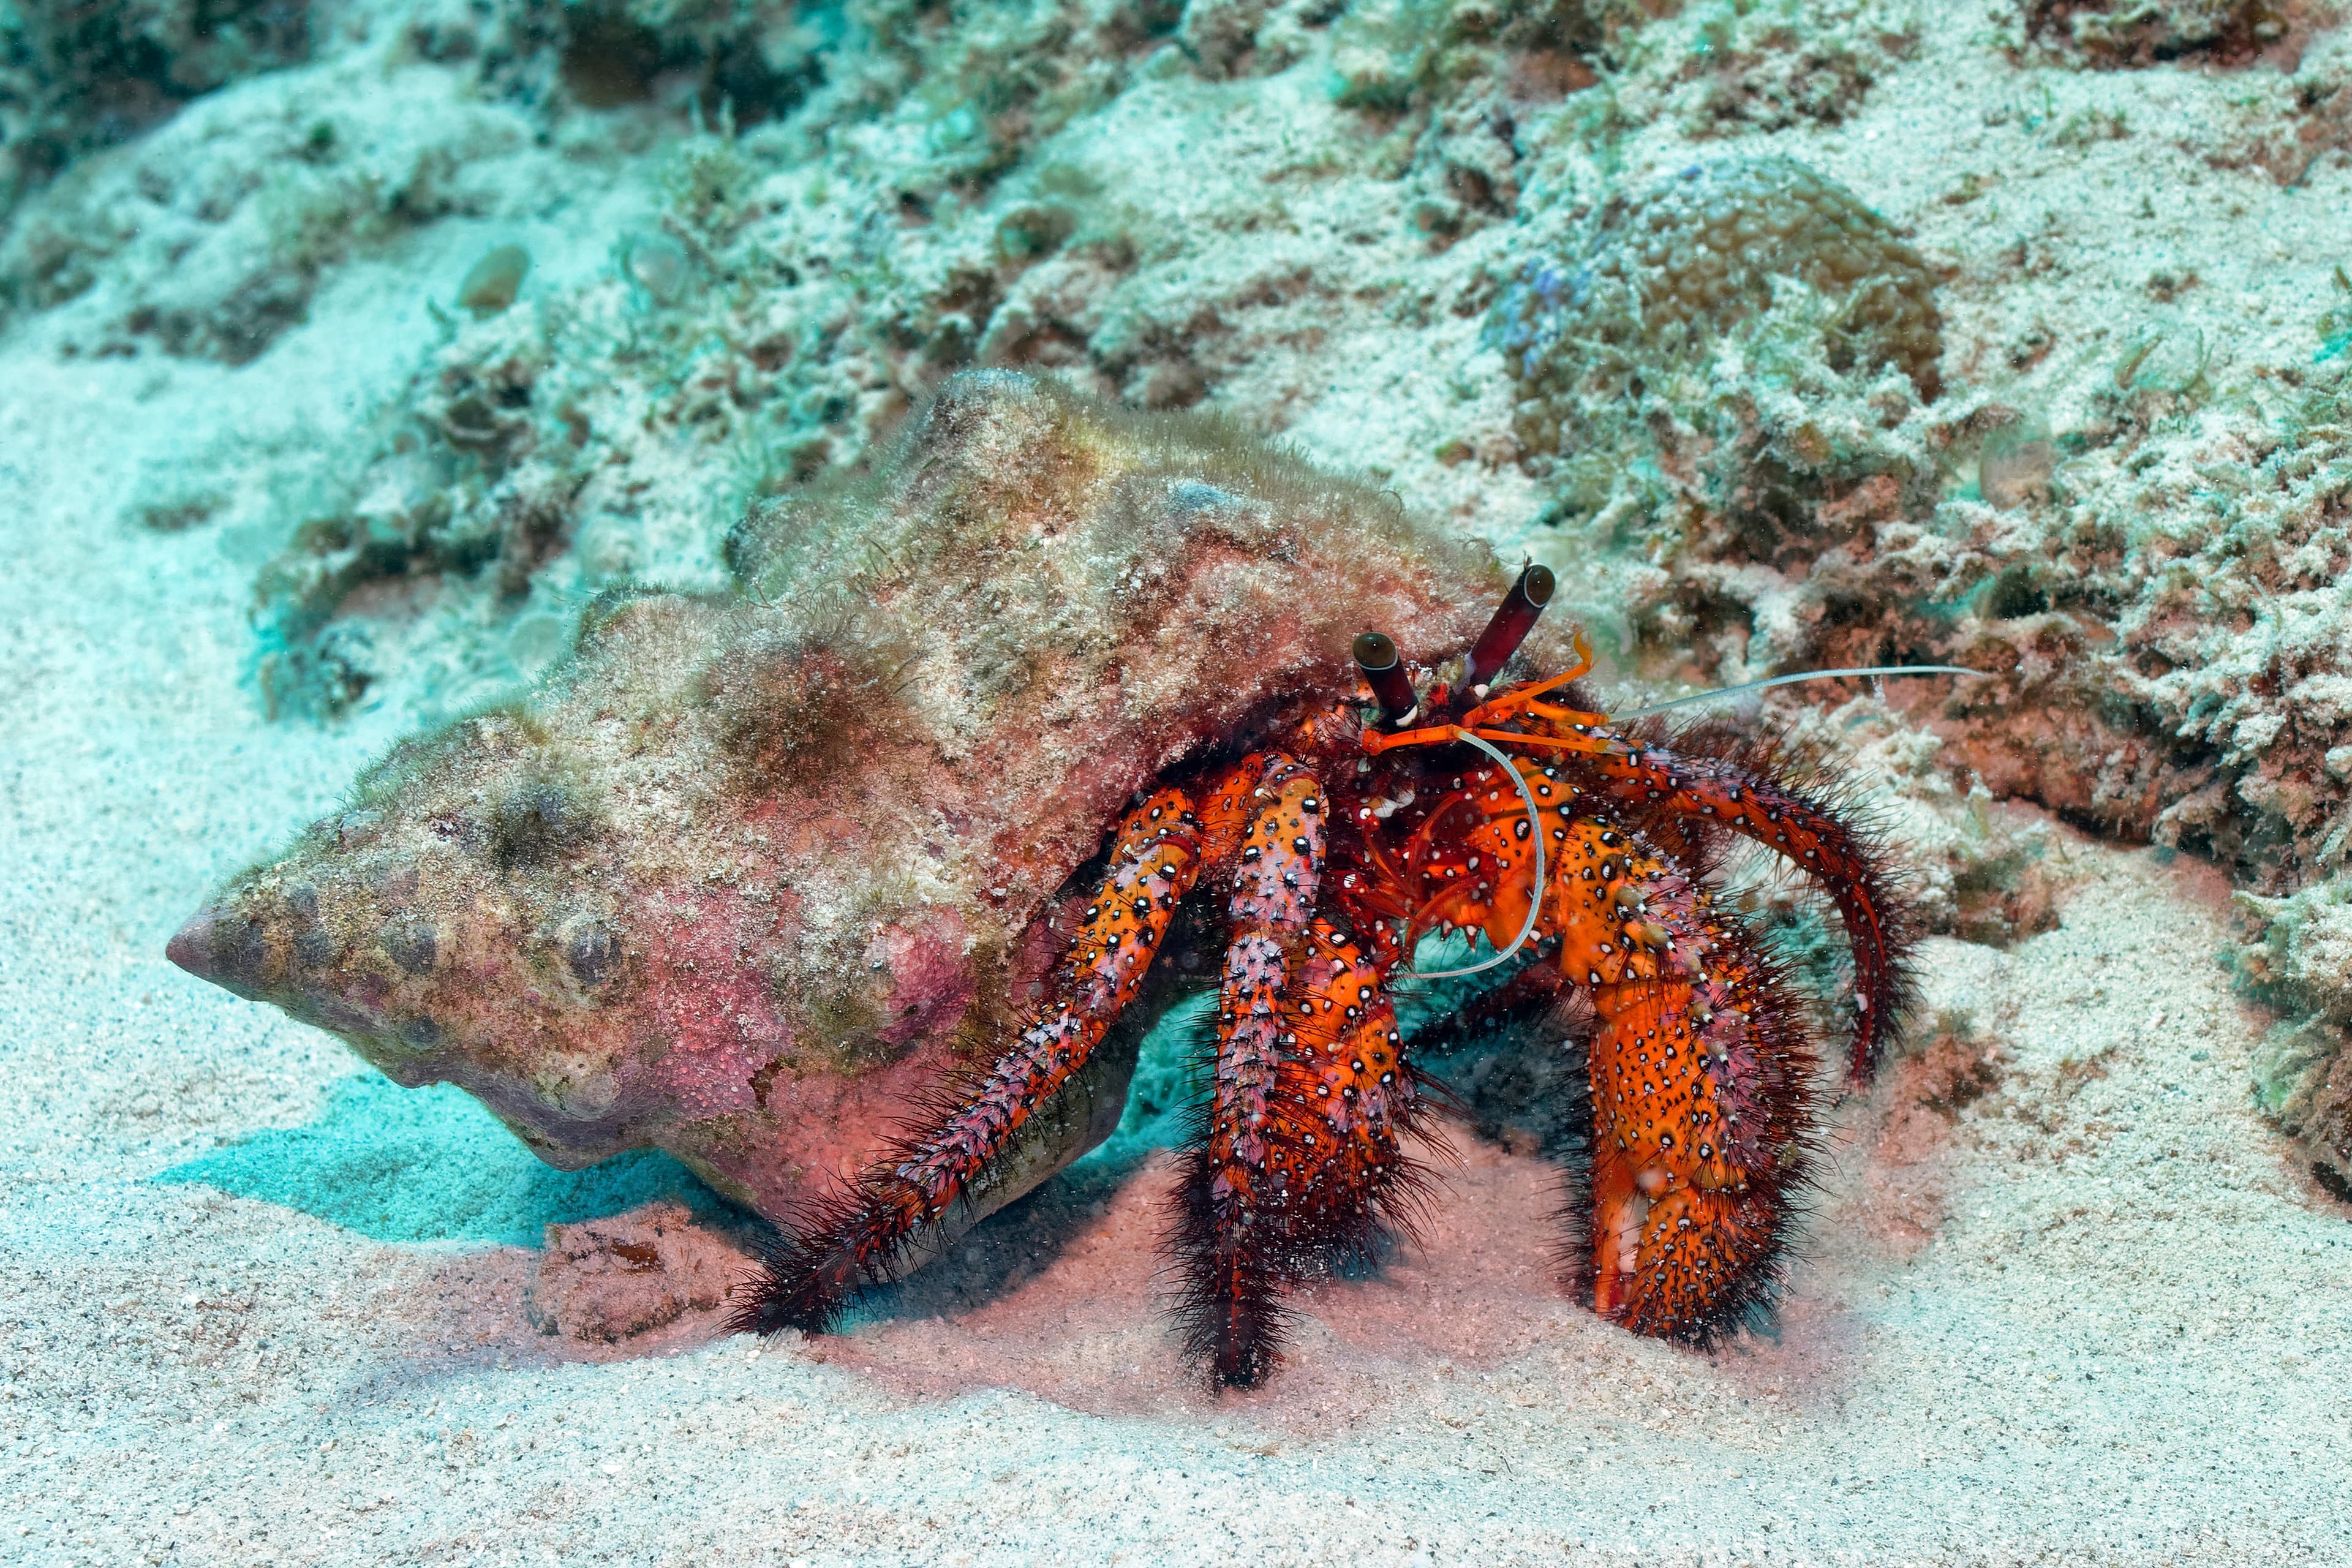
x=1398, y=810
x=855, y=890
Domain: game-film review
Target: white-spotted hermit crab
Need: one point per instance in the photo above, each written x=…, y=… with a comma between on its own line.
x=1399, y=809
x=751, y=876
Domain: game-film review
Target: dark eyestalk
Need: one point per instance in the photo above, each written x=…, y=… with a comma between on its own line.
x=1513, y=620
x=1376, y=655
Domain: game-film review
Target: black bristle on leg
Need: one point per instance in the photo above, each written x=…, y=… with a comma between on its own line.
x=1708, y=1283
x=1781, y=1201
x=1230, y=1311
x=1237, y=1265
x=1784, y=798
x=1571, y=1257
x=806, y=1277
x=789, y=1289
x=866, y=1232
x=1235, y=1262
x=959, y=1134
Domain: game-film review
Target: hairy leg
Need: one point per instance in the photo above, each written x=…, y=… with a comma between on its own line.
x=1700, y=1075
x=862, y=1236
x=1739, y=788
x=1783, y=815
x=1226, y=1238
x=1701, y=1100
x=1350, y=1095
x=1699, y=1065
x=1318, y=1180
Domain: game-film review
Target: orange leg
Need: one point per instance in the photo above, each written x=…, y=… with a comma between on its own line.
x=1320, y=1186
x=1499, y=708
x=1700, y=1099
x=1228, y=803
x=1699, y=1066
x=1347, y=1095
x=1773, y=811
x=1238, y=1177
x=862, y=1236
x=1779, y=813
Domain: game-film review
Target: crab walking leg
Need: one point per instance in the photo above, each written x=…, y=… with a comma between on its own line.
x=1699, y=1076
x=1343, y=1095
x=1332, y=1180
x=860, y=1238
x=1700, y=1099
x=1848, y=864
x=1852, y=867
x=1228, y=803
x=1226, y=1236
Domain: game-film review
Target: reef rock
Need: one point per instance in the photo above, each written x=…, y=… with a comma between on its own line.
x=1666, y=269
x=2138, y=33
x=747, y=876
x=604, y=1281
x=2302, y=962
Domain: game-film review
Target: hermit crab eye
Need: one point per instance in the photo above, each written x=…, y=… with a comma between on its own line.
x=1514, y=618
x=1376, y=655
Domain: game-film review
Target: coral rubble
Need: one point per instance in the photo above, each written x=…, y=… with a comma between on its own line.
x=2302, y=960
x=78, y=74
x=1663, y=272
x=612, y=1279
x=2153, y=590
x=208, y=238
x=2147, y=32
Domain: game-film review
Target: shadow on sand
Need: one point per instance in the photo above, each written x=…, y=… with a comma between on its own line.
x=430, y=1165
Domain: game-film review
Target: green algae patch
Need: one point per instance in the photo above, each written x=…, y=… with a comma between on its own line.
x=420, y=1165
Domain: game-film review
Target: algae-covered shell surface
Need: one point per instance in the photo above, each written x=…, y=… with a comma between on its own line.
x=748, y=875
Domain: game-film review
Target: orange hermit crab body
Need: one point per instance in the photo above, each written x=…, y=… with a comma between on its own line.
x=1581, y=850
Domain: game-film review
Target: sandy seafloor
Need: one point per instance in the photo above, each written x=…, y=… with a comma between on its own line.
x=2096, y=1315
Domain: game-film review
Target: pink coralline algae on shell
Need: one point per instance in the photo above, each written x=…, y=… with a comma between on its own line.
x=749, y=877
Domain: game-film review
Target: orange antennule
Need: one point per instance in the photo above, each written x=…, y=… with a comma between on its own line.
x=1505, y=706
x=1501, y=706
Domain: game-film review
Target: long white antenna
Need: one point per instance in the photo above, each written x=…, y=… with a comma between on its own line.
x=1793, y=679
x=1536, y=897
